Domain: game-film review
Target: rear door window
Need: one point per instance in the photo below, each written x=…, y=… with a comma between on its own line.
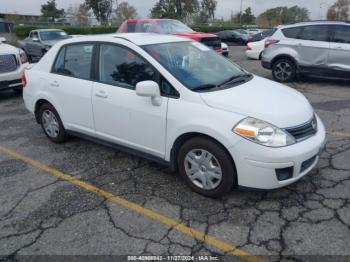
x=341, y=34
x=292, y=32
x=34, y=35
x=75, y=61
x=315, y=33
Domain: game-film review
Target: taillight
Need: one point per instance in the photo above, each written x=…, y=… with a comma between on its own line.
x=248, y=48
x=24, y=80
x=23, y=57
x=269, y=42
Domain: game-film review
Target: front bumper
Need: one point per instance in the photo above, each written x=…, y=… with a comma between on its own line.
x=256, y=164
x=12, y=79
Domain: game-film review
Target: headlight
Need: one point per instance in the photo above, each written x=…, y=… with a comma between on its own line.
x=263, y=133
x=23, y=57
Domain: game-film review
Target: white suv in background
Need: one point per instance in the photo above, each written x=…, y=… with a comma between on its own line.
x=12, y=64
x=318, y=48
x=177, y=102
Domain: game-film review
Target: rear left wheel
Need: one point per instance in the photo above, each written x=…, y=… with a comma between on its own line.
x=206, y=167
x=51, y=124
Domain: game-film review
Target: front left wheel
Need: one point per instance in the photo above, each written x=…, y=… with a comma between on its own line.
x=206, y=167
x=51, y=124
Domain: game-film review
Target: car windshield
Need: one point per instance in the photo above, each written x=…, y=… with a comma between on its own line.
x=195, y=65
x=53, y=35
x=172, y=27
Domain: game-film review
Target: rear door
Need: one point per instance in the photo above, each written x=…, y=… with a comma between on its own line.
x=313, y=43
x=339, y=54
x=33, y=44
x=71, y=86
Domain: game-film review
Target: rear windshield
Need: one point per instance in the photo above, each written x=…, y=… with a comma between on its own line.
x=52, y=35
x=159, y=26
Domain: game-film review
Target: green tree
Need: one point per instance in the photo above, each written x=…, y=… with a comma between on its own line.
x=102, y=9
x=283, y=15
x=83, y=15
x=248, y=17
x=125, y=11
x=339, y=10
x=50, y=11
x=175, y=9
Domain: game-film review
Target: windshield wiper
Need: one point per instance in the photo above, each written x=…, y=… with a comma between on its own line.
x=235, y=79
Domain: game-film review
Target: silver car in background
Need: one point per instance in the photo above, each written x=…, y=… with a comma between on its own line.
x=319, y=48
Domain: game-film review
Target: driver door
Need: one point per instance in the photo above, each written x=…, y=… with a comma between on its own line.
x=120, y=115
x=34, y=45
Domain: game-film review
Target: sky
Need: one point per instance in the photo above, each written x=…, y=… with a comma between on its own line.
x=224, y=7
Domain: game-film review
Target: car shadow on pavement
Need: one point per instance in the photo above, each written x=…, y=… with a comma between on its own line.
x=8, y=94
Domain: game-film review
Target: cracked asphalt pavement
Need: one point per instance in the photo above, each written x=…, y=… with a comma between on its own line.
x=41, y=214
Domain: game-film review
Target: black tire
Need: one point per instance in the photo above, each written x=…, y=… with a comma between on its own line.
x=228, y=179
x=288, y=75
x=61, y=136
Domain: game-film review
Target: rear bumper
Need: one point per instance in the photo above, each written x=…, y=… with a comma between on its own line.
x=252, y=54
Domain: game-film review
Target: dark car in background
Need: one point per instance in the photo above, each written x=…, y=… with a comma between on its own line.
x=40, y=41
x=233, y=36
x=262, y=35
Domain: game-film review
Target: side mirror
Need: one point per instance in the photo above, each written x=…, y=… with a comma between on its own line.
x=149, y=89
x=35, y=39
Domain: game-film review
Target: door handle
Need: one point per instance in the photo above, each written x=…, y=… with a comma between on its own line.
x=339, y=47
x=54, y=84
x=101, y=94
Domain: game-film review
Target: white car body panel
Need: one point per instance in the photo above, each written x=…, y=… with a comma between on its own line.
x=256, y=49
x=251, y=98
x=6, y=49
x=127, y=119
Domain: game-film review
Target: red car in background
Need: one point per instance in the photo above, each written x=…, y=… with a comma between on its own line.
x=170, y=26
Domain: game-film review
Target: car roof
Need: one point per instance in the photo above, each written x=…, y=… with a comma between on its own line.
x=148, y=20
x=320, y=22
x=43, y=30
x=139, y=39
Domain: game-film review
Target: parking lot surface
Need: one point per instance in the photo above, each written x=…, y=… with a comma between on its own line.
x=81, y=198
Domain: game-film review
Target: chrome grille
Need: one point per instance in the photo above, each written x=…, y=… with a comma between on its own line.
x=7, y=63
x=303, y=131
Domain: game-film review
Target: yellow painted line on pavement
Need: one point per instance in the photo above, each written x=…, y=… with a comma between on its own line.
x=213, y=241
x=338, y=133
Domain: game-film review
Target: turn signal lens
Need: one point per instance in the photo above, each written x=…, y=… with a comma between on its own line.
x=245, y=132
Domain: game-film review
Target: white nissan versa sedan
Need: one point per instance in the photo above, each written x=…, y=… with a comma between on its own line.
x=175, y=101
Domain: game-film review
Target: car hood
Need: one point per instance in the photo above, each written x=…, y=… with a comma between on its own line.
x=6, y=49
x=195, y=35
x=51, y=42
x=264, y=99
